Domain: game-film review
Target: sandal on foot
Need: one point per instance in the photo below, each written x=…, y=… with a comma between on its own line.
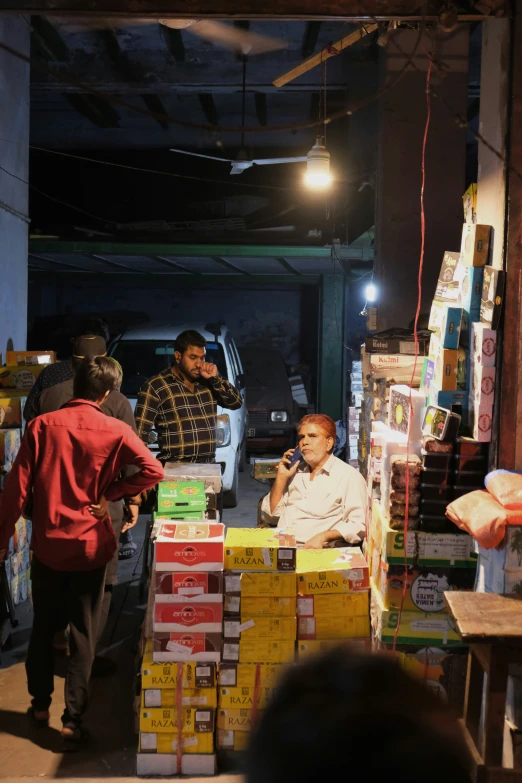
x=74, y=737
x=40, y=718
x=127, y=551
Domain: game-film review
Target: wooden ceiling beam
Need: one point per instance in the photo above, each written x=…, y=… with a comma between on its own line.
x=155, y=105
x=48, y=41
x=174, y=42
x=310, y=38
x=209, y=108
x=261, y=108
x=98, y=111
x=329, y=10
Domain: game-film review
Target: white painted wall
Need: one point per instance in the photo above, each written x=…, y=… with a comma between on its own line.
x=14, y=157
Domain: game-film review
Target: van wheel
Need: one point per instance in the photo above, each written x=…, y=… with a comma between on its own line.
x=243, y=457
x=230, y=497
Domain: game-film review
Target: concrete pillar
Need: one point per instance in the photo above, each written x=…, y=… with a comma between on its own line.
x=402, y=113
x=14, y=158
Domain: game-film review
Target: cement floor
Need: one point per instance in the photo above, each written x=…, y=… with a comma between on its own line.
x=28, y=754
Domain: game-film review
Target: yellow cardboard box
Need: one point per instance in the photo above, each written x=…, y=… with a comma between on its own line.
x=260, y=606
x=236, y=719
x=233, y=698
x=319, y=646
x=18, y=381
x=336, y=605
x=165, y=720
x=232, y=740
x=23, y=358
x=272, y=628
x=164, y=675
x=253, y=585
x=417, y=628
x=166, y=697
x=259, y=549
x=333, y=627
x=255, y=650
x=331, y=571
x=244, y=675
x=157, y=742
x=10, y=411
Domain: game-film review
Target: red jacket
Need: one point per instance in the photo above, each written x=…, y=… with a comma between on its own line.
x=70, y=458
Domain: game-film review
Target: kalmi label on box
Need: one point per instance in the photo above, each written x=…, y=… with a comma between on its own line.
x=168, y=743
x=331, y=571
x=189, y=546
x=252, y=584
x=258, y=549
x=193, y=720
x=244, y=675
x=201, y=617
x=164, y=675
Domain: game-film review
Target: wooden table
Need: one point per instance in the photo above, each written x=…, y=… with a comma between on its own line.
x=491, y=625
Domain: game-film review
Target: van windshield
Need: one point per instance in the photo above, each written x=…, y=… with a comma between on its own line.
x=141, y=359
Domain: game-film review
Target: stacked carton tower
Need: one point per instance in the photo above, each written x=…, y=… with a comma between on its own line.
x=260, y=627
x=183, y=631
x=333, y=588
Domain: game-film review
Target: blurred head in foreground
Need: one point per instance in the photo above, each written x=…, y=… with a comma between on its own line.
x=354, y=717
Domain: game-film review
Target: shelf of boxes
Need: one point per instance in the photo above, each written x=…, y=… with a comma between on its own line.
x=177, y=700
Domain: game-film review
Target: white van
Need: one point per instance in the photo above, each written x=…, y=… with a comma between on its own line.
x=148, y=349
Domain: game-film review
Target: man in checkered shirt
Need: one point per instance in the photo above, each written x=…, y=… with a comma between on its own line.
x=181, y=403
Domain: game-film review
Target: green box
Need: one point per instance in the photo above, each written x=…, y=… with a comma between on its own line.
x=181, y=497
x=185, y=516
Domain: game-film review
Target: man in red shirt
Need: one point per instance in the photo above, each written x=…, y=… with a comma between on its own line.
x=71, y=460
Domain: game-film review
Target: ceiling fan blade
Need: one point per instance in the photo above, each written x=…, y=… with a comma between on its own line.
x=270, y=161
x=324, y=54
x=178, y=24
x=239, y=166
x=241, y=41
x=200, y=155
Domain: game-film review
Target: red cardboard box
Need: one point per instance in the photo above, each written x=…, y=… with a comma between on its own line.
x=190, y=546
x=173, y=647
x=178, y=586
x=201, y=617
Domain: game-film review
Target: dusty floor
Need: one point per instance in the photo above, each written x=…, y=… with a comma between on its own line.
x=34, y=754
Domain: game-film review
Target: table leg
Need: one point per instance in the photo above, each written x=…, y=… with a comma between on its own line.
x=473, y=700
x=495, y=708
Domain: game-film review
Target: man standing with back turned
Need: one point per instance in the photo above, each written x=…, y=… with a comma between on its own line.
x=71, y=459
x=181, y=402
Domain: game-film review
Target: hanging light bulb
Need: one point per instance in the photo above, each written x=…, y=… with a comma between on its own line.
x=318, y=167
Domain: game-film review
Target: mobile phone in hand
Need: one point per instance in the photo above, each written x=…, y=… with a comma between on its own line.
x=296, y=457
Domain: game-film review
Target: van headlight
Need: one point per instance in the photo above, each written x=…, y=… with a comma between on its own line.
x=223, y=433
x=279, y=416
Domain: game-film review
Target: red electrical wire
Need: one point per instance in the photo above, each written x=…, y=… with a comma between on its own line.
x=416, y=340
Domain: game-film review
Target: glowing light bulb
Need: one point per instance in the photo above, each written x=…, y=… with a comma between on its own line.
x=371, y=292
x=318, y=167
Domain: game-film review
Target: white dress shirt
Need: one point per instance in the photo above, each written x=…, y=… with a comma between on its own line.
x=337, y=499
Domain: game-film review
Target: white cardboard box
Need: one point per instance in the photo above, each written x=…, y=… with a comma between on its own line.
x=483, y=344
x=159, y=764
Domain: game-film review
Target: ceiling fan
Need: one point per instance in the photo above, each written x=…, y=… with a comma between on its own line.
x=243, y=161
x=240, y=40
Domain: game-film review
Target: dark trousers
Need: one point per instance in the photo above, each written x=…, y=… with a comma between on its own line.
x=117, y=519
x=78, y=594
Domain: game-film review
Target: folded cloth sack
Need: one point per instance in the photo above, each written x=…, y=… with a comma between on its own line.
x=506, y=487
x=480, y=515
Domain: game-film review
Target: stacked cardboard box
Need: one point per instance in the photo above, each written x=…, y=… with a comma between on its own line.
x=260, y=627
x=500, y=570
x=177, y=710
x=482, y=389
x=332, y=598
x=410, y=570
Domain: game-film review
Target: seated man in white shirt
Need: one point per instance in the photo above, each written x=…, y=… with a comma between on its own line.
x=321, y=499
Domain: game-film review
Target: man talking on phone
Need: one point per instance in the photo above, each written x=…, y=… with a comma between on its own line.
x=319, y=498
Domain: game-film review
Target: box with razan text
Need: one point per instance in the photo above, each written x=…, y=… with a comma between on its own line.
x=257, y=606
x=258, y=549
x=268, y=628
x=164, y=675
x=168, y=697
x=232, y=740
x=192, y=720
x=246, y=675
x=263, y=585
x=160, y=742
x=331, y=571
x=189, y=546
x=231, y=698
